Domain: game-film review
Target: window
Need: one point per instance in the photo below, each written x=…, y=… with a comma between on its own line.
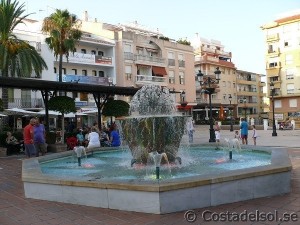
x=64, y=71
x=293, y=103
x=94, y=73
x=100, y=53
x=273, y=64
x=233, y=84
x=224, y=97
x=229, y=84
x=128, y=72
x=83, y=51
x=93, y=52
x=11, y=95
x=127, y=48
x=287, y=43
x=224, y=83
x=290, y=88
x=171, y=60
x=181, y=78
x=288, y=59
x=277, y=104
x=55, y=71
x=289, y=74
x=101, y=73
x=84, y=72
x=171, y=77
x=270, y=49
x=74, y=71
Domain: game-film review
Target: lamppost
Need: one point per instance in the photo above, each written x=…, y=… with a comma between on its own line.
x=245, y=107
x=272, y=94
x=231, y=125
x=209, y=87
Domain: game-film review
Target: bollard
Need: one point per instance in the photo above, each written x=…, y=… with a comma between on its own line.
x=79, y=161
x=230, y=154
x=157, y=172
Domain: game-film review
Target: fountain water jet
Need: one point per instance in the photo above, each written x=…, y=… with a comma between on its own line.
x=154, y=125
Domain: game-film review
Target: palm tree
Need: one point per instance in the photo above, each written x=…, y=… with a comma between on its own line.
x=62, y=28
x=17, y=57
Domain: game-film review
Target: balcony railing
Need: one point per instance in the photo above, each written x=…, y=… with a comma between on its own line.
x=82, y=58
x=25, y=103
x=150, y=60
x=148, y=79
x=128, y=56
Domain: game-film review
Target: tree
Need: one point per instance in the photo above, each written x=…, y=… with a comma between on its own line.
x=62, y=28
x=17, y=57
x=64, y=105
x=115, y=108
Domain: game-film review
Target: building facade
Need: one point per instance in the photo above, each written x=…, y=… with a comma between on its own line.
x=250, y=95
x=283, y=64
x=210, y=54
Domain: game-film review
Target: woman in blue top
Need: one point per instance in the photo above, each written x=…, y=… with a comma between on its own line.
x=115, y=137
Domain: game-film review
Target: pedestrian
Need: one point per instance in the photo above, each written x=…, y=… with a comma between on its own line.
x=190, y=129
x=115, y=137
x=217, y=129
x=28, y=135
x=244, y=131
x=39, y=138
x=80, y=137
x=254, y=135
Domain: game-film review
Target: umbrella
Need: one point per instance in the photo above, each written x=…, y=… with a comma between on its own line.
x=56, y=113
x=17, y=111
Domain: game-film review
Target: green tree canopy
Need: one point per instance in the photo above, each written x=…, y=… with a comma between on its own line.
x=62, y=104
x=63, y=30
x=116, y=108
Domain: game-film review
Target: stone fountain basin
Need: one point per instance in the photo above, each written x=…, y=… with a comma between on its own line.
x=161, y=196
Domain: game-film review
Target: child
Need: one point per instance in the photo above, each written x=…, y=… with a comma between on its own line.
x=254, y=135
x=237, y=135
x=79, y=150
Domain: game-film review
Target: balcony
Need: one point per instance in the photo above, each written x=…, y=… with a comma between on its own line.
x=90, y=59
x=85, y=79
x=273, y=52
x=222, y=53
x=25, y=103
x=272, y=37
x=206, y=49
x=148, y=79
x=150, y=60
x=273, y=66
x=128, y=56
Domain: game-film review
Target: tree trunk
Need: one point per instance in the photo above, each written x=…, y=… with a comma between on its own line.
x=61, y=93
x=62, y=128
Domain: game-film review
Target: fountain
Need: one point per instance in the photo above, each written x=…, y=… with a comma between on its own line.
x=154, y=125
x=148, y=176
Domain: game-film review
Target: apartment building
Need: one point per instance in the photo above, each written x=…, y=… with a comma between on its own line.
x=144, y=56
x=210, y=54
x=283, y=64
x=250, y=95
x=93, y=62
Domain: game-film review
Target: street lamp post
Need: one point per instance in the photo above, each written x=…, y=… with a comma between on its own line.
x=209, y=87
x=231, y=125
x=274, y=133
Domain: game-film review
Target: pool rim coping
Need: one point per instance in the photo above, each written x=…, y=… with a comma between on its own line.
x=280, y=162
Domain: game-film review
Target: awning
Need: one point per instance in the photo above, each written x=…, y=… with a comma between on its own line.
x=187, y=107
x=159, y=70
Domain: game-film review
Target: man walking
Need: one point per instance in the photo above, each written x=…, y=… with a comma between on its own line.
x=39, y=138
x=28, y=135
x=244, y=131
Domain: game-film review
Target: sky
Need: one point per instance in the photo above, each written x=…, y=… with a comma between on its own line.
x=236, y=23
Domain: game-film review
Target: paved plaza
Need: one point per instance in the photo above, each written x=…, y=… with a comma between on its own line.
x=15, y=209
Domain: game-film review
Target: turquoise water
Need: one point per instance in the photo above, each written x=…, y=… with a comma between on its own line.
x=116, y=165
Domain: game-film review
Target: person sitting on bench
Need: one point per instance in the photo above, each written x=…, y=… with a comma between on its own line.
x=12, y=144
